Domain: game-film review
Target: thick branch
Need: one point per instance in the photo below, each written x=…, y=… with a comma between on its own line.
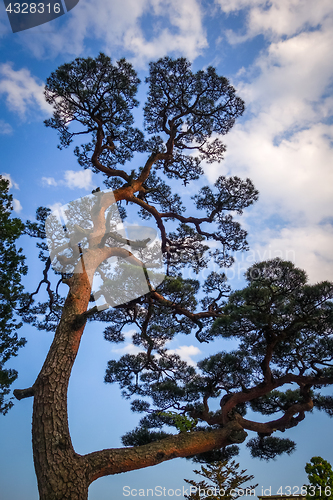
x=152, y=210
x=113, y=461
x=266, y=388
x=153, y=158
x=285, y=422
x=185, y=312
x=98, y=150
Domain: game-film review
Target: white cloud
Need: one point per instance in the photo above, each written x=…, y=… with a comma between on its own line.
x=185, y=352
x=175, y=27
x=127, y=349
x=277, y=18
x=49, y=181
x=5, y=128
x=294, y=177
x=56, y=206
x=17, y=205
x=309, y=247
x=11, y=182
x=81, y=179
x=285, y=143
x=22, y=90
x=292, y=76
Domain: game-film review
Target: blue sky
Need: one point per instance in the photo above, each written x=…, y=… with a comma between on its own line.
x=278, y=55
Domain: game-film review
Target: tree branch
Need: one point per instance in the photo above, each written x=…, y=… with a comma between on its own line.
x=285, y=422
x=113, y=461
x=98, y=150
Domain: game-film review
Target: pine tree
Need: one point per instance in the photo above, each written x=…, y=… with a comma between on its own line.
x=12, y=268
x=224, y=482
x=281, y=324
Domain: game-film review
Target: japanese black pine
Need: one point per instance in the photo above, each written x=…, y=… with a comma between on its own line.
x=282, y=325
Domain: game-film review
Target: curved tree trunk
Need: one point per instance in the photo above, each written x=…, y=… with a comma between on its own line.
x=61, y=473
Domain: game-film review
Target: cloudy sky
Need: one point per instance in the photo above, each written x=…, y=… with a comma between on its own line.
x=278, y=56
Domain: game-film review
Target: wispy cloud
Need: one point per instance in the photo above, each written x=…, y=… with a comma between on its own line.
x=55, y=206
x=185, y=352
x=277, y=18
x=285, y=142
x=5, y=128
x=49, y=181
x=174, y=26
x=309, y=246
x=12, y=184
x=81, y=179
x=22, y=90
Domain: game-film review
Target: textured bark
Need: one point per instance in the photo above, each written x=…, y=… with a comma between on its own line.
x=60, y=471
x=114, y=461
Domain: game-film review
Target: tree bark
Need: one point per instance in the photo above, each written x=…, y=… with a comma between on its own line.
x=113, y=461
x=60, y=471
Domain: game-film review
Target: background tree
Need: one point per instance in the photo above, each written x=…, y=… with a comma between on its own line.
x=320, y=477
x=224, y=479
x=283, y=325
x=12, y=268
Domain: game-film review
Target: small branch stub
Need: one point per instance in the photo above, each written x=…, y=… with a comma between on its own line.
x=24, y=393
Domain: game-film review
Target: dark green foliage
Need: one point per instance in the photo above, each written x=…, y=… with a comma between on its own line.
x=277, y=313
x=12, y=268
x=200, y=103
x=224, y=482
x=276, y=401
x=94, y=97
x=141, y=436
x=268, y=447
x=92, y=91
x=43, y=315
x=320, y=477
x=182, y=422
x=216, y=455
x=324, y=403
x=279, y=307
x=234, y=368
x=280, y=326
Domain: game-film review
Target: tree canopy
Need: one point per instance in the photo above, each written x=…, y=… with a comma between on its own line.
x=320, y=477
x=12, y=267
x=282, y=326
